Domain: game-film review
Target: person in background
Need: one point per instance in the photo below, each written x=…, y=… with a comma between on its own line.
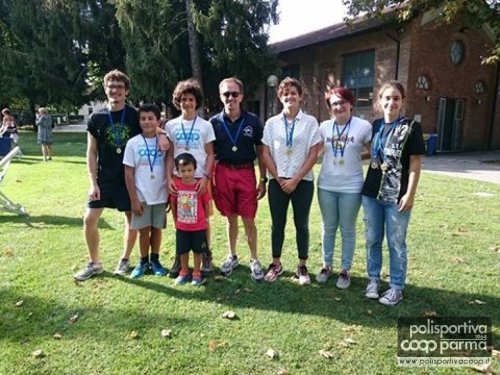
x=44, y=123
x=291, y=144
x=345, y=139
x=8, y=128
x=389, y=191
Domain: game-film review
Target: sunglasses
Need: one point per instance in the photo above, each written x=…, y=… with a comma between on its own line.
x=234, y=94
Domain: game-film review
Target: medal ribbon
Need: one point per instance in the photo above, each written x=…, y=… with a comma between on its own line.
x=116, y=136
x=381, y=140
x=188, y=138
x=289, y=134
x=339, y=135
x=234, y=139
x=151, y=164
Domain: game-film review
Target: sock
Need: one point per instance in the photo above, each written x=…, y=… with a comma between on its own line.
x=144, y=260
x=155, y=258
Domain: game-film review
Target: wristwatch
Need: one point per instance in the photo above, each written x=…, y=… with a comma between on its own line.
x=264, y=179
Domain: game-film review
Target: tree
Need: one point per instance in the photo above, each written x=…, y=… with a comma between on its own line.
x=477, y=12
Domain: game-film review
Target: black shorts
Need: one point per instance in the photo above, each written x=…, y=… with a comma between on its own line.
x=113, y=195
x=186, y=241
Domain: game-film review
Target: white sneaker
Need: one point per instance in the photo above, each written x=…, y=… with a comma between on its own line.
x=344, y=280
x=256, y=270
x=122, y=267
x=391, y=297
x=92, y=269
x=372, y=289
x=303, y=275
x=229, y=265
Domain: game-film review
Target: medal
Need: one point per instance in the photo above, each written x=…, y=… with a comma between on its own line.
x=188, y=137
x=289, y=150
x=234, y=148
x=152, y=176
x=234, y=139
x=148, y=153
x=118, y=150
x=383, y=167
x=341, y=161
x=374, y=165
x=186, y=148
x=116, y=130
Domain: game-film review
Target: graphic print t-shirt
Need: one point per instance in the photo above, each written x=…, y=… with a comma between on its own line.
x=191, y=215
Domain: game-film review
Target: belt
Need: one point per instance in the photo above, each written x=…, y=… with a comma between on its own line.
x=246, y=165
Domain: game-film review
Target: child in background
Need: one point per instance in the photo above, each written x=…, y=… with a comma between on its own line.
x=146, y=182
x=190, y=210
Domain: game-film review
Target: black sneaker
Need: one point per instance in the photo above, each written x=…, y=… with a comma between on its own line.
x=176, y=268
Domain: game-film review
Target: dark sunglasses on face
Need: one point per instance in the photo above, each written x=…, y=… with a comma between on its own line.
x=234, y=94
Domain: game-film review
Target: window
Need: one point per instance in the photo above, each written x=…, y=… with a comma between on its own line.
x=423, y=82
x=457, y=52
x=358, y=74
x=479, y=87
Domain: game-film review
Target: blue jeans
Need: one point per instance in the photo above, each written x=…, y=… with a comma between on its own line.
x=339, y=209
x=377, y=215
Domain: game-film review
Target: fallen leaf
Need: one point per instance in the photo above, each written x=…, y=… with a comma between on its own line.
x=166, y=333
x=219, y=278
x=237, y=291
x=351, y=328
x=271, y=353
x=19, y=303
x=477, y=302
x=338, y=299
x=282, y=371
x=349, y=341
x=429, y=313
x=495, y=353
x=57, y=336
x=73, y=318
x=8, y=253
x=463, y=230
x=229, y=315
x=370, y=312
x=38, y=353
x=496, y=249
x=134, y=335
x=248, y=290
x=213, y=345
x=485, y=369
x=326, y=354
x=458, y=260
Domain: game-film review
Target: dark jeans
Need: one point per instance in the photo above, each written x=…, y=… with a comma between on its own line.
x=301, y=203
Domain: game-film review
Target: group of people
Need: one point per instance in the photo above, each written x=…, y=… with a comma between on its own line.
x=138, y=167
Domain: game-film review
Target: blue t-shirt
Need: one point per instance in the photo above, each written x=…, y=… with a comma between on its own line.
x=249, y=136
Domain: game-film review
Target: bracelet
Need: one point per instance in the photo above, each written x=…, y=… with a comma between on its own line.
x=264, y=179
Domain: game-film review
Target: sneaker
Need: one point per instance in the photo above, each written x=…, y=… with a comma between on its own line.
x=158, y=269
x=182, y=279
x=256, y=270
x=273, y=272
x=344, y=280
x=302, y=275
x=92, y=269
x=324, y=274
x=372, y=289
x=122, y=267
x=176, y=268
x=197, y=279
x=391, y=297
x=139, y=270
x=206, y=263
x=229, y=265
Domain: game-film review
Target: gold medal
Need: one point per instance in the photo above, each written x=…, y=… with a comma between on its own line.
x=118, y=150
x=186, y=148
x=289, y=150
x=234, y=148
x=152, y=176
x=374, y=165
x=383, y=167
x=341, y=161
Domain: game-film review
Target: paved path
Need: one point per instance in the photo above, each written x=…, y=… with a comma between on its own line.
x=482, y=166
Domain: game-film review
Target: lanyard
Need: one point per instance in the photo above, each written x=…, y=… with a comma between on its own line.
x=114, y=127
x=188, y=137
x=339, y=142
x=289, y=134
x=381, y=141
x=151, y=163
x=234, y=140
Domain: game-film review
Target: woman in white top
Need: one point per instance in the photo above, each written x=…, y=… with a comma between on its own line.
x=291, y=142
x=345, y=139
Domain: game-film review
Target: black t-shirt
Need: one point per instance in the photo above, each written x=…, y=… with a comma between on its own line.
x=405, y=140
x=111, y=140
x=250, y=135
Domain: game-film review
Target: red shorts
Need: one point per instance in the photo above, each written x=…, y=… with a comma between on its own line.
x=235, y=191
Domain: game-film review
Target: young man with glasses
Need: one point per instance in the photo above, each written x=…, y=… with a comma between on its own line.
x=238, y=135
x=108, y=133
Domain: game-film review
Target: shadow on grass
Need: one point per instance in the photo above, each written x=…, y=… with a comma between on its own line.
x=50, y=220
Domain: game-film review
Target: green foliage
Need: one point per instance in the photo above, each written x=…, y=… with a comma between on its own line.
x=477, y=12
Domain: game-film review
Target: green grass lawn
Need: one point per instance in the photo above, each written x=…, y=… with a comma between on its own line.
x=454, y=258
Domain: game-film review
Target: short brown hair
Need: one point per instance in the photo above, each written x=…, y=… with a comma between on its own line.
x=288, y=82
x=117, y=75
x=341, y=92
x=189, y=86
x=394, y=84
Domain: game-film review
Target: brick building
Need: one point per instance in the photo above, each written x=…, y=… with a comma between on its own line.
x=448, y=89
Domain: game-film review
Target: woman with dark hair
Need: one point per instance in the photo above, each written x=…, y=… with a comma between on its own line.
x=345, y=139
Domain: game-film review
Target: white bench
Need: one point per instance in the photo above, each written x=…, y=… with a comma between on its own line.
x=5, y=203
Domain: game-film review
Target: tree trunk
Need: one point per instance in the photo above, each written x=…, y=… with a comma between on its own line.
x=194, y=50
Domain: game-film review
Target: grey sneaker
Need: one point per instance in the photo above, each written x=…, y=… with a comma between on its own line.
x=122, y=267
x=176, y=268
x=344, y=280
x=372, y=289
x=92, y=269
x=391, y=297
x=324, y=274
x=229, y=265
x=206, y=263
x=256, y=270
x=302, y=275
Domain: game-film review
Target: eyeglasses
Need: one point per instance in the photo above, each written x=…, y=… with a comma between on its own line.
x=338, y=103
x=115, y=87
x=234, y=94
